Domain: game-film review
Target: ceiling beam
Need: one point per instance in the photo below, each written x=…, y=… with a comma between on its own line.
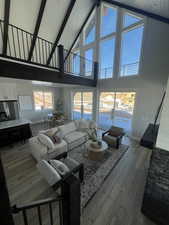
x=37, y=26
x=25, y=71
x=63, y=25
x=140, y=11
x=6, y=23
x=82, y=27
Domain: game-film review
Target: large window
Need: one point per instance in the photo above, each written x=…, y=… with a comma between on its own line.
x=82, y=105
x=43, y=100
x=131, y=44
x=107, y=50
x=114, y=40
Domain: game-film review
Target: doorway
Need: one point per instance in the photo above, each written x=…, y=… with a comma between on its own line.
x=116, y=108
x=82, y=105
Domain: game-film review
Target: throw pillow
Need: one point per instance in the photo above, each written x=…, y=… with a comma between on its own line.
x=45, y=140
x=57, y=138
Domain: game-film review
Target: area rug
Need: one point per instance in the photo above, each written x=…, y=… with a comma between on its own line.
x=95, y=172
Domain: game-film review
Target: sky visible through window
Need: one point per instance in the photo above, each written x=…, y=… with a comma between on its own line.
x=108, y=21
x=130, y=52
x=130, y=45
x=107, y=50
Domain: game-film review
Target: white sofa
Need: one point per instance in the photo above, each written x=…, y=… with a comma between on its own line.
x=72, y=135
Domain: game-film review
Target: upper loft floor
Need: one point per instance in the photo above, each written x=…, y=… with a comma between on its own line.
x=35, y=52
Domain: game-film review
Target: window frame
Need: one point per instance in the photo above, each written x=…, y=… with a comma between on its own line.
x=108, y=37
x=43, y=94
x=73, y=93
x=101, y=13
x=136, y=25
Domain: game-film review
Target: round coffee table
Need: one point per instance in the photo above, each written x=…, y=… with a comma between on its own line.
x=96, y=153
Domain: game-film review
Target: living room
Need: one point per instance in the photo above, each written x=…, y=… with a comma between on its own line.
x=86, y=115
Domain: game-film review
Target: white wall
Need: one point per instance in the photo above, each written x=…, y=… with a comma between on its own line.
x=163, y=134
x=26, y=88
x=150, y=84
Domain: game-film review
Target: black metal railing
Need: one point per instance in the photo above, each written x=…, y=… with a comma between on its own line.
x=78, y=65
x=47, y=211
x=19, y=44
x=106, y=73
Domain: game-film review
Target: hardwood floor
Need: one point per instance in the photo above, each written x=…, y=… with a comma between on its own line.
x=118, y=201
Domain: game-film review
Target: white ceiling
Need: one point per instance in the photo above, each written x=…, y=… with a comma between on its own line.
x=160, y=7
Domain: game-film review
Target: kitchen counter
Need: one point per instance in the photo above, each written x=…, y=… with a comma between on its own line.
x=13, y=123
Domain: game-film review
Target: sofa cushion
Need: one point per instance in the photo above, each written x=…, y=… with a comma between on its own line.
x=76, y=135
x=48, y=172
x=84, y=124
x=44, y=139
x=66, y=129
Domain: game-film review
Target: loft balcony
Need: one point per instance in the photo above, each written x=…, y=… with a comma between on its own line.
x=23, y=57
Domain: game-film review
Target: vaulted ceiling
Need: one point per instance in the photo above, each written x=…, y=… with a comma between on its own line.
x=160, y=7
x=24, y=13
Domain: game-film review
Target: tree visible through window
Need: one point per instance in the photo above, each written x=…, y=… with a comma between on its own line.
x=43, y=100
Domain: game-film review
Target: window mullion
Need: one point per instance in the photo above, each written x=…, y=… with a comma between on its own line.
x=133, y=26
x=118, y=44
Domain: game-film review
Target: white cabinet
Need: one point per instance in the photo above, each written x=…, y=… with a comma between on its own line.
x=8, y=91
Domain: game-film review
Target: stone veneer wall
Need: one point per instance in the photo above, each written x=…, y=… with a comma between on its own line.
x=156, y=197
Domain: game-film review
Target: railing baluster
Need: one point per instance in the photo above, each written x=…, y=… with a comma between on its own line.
x=36, y=54
x=18, y=44
x=43, y=54
x=46, y=52
x=8, y=44
x=27, y=43
x=13, y=38
x=23, y=43
x=55, y=59
x=39, y=215
x=39, y=50
x=25, y=217
x=51, y=213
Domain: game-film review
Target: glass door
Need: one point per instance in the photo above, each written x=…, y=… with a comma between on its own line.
x=87, y=105
x=82, y=106
x=77, y=106
x=116, y=108
x=123, y=111
x=106, y=108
